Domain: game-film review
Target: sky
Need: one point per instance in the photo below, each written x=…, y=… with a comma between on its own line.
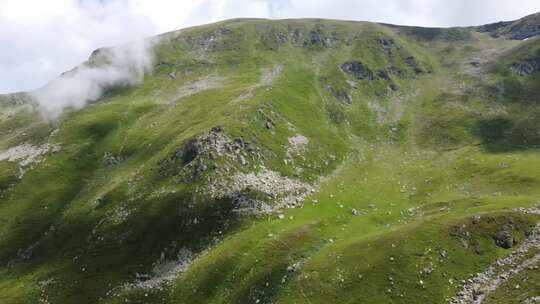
x=41, y=39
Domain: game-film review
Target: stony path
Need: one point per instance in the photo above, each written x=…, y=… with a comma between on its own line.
x=476, y=290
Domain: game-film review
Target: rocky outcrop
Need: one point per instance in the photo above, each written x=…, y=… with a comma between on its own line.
x=317, y=37
x=411, y=62
x=388, y=45
x=164, y=272
x=494, y=27
x=217, y=157
x=274, y=191
x=521, y=29
x=476, y=289
x=27, y=154
x=18, y=99
x=202, y=155
x=533, y=300
x=361, y=71
x=504, y=239
x=342, y=95
x=358, y=70
x=297, y=144
x=532, y=210
x=221, y=163
x=527, y=67
x=217, y=40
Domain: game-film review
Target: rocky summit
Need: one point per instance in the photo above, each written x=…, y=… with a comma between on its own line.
x=280, y=161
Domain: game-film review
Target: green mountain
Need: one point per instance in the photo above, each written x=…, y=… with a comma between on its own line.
x=290, y=161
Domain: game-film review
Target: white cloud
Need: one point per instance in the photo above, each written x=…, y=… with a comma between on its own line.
x=40, y=39
x=124, y=65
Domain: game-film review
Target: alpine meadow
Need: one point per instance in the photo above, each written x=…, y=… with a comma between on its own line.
x=280, y=161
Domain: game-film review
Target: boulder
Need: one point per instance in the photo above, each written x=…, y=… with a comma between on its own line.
x=504, y=239
x=269, y=124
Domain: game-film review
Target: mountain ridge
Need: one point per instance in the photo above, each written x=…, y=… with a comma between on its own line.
x=296, y=161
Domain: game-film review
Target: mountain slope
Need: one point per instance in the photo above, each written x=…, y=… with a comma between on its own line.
x=521, y=29
x=295, y=161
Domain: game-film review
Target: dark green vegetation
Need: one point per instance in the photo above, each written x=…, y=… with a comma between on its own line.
x=419, y=144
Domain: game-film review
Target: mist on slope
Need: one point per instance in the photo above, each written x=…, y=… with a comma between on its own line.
x=106, y=68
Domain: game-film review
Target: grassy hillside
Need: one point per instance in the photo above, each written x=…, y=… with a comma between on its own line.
x=297, y=161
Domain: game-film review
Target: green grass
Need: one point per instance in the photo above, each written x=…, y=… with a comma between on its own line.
x=414, y=164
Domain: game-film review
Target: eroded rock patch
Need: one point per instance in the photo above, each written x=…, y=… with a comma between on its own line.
x=477, y=289
x=527, y=67
x=27, y=154
x=297, y=144
x=276, y=191
x=208, y=83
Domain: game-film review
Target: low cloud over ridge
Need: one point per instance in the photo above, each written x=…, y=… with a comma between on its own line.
x=41, y=39
x=106, y=68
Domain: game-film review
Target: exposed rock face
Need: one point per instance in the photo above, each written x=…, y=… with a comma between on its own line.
x=527, y=31
x=297, y=35
x=382, y=74
x=532, y=300
x=318, y=38
x=518, y=30
x=263, y=191
x=17, y=99
x=504, y=239
x=214, y=140
x=478, y=288
x=343, y=96
x=269, y=124
x=283, y=191
x=28, y=154
x=297, y=144
x=532, y=210
x=527, y=67
x=217, y=158
x=362, y=72
x=217, y=40
x=164, y=271
x=411, y=61
x=112, y=160
x=494, y=27
x=340, y=94
x=387, y=45
x=358, y=70
x=197, y=157
x=269, y=75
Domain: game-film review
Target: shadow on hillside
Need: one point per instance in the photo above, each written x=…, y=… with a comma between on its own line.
x=93, y=259
x=501, y=135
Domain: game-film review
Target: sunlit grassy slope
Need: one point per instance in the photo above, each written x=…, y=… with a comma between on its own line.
x=402, y=162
